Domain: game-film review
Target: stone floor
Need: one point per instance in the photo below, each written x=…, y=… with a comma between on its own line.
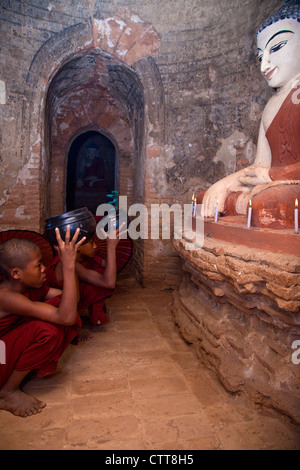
x=136, y=385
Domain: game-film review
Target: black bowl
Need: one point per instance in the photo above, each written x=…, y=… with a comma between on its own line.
x=80, y=218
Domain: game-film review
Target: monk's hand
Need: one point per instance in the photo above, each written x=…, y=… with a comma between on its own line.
x=255, y=175
x=112, y=237
x=68, y=248
x=121, y=231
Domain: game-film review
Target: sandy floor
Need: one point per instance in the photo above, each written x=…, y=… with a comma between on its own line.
x=136, y=385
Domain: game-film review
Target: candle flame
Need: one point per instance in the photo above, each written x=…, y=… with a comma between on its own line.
x=296, y=203
x=250, y=203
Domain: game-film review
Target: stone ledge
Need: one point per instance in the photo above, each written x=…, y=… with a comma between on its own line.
x=247, y=277
x=239, y=308
x=233, y=229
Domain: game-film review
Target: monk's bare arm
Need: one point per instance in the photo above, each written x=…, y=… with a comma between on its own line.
x=108, y=278
x=70, y=295
x=13, y=303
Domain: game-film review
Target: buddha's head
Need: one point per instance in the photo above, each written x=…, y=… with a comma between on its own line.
x=278, y=43
x=91, y=153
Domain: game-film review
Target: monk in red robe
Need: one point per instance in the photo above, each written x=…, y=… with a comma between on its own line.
x=35, y=333
x=97, y=278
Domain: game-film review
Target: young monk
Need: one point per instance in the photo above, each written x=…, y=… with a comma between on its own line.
x=35, y=333
x=97, y=278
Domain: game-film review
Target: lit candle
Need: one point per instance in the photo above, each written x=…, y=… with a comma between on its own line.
x=193, y=203
x=296, y=217
x=195, y=207
x=217, y=211
x=249, y=214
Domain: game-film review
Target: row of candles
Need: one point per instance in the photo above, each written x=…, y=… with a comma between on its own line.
x=194, y=211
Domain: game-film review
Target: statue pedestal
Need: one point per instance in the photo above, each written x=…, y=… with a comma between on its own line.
x=233, y=229
x=239, y=305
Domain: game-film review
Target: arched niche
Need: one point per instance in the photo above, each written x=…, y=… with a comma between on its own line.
x=97, y=75
x=125, y=43
x=91, y=171
x=96, y=93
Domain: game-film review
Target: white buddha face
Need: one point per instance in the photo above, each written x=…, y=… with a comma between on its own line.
x=279, y=52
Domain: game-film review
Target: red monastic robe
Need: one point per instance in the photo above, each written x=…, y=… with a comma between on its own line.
x=91, y=297
x=32, y=344
x=273, y=207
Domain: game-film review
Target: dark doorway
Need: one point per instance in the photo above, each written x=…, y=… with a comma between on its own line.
x=91, y=171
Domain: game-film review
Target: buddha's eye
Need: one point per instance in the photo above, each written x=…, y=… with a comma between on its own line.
x=278, y=46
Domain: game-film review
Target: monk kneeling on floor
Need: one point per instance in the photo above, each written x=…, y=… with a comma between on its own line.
x=34, y=332
x=97, y=277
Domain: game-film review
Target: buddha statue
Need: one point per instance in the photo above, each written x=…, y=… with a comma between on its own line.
x=272, y=183
x=90, y=167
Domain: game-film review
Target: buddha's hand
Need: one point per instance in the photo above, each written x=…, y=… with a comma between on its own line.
x=217, y=194
x=255, y=175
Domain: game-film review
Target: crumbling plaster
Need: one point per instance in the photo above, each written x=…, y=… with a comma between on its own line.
x=196, y=72
x=89, y=34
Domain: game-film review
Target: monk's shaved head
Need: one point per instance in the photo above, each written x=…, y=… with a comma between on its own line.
x=15, y=253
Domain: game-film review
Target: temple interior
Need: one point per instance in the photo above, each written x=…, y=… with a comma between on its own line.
x=156, y=102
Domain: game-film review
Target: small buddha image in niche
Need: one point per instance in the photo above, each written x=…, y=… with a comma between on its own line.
x=272, y=183
x=91, y=172
x=90, y=168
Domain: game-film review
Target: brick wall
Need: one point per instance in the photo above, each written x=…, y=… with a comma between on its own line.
x=178, y=82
